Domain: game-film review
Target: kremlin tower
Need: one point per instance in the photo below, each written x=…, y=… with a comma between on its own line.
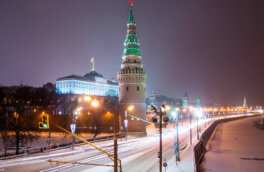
x=132, y=80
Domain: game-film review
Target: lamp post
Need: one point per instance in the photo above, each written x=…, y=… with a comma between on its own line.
x=160, y=114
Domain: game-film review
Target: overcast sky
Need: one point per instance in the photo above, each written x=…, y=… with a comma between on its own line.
x=209, y=48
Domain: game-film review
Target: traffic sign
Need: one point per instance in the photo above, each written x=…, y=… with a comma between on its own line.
x=73, y=126
x=165, y=164
x=175, y=143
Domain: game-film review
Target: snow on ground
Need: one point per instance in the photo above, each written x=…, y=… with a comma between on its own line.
x=236, y=146
x=55, y=139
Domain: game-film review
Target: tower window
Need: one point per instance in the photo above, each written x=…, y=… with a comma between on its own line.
x=127, y=88
x=137, y=88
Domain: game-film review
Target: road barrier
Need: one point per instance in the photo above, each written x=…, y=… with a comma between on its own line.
x=200, y=148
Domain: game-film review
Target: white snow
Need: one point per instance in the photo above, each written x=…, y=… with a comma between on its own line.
x=232, y=141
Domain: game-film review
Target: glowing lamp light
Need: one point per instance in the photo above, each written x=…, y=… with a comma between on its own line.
x=168, y=108
x=87, y=98
x=130, y=108
x=199, y=113
x=95, y=103
x=174, y=114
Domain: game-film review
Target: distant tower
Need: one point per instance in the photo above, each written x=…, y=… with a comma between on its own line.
x=185, y=102
x=152, y=98
x=132, y=80
x=245, y=102
x=198, y=102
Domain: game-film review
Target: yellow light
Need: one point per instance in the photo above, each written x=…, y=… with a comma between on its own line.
x=130, y=108
x=95, y=103
x=87, y=98
x=168, y=108
x=177, y=109
x=35, y=110
x=79, y=109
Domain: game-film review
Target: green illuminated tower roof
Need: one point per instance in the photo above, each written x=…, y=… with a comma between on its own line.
x=131, y=44
x=198, y=102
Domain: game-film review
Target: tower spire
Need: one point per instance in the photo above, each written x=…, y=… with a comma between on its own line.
x=245, y=102
x=131, y=44
x=92, y=61
x=131, y=16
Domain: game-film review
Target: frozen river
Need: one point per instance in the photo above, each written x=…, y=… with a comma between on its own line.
x=236, y=146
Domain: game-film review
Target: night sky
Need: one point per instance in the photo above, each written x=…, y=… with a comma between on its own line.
x=209, y=48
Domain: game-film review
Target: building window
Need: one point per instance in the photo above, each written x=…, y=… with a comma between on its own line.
x=127, y=88
x=137, y=88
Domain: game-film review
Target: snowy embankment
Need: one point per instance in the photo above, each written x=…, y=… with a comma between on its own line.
x=236, y=146
x=56, y=138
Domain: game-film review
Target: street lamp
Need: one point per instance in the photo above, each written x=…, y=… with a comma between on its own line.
x=130, y=108
x=161, y=112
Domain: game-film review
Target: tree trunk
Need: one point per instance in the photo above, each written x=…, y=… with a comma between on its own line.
x=17, y=142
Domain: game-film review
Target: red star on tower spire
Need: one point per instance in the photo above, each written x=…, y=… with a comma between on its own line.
x=131, y=3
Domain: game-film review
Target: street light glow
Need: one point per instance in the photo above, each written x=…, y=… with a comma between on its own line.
x=174, y=114
x=87, y=98
x=130, y=108
x=95, y=103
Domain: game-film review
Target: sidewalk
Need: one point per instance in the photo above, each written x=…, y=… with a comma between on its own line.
x=187, y=163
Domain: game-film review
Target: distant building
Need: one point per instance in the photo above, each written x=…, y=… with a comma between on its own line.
x=92, y=83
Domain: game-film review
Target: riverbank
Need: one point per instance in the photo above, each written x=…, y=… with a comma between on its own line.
x=236, y=146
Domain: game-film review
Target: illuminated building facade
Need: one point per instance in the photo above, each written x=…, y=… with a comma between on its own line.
x=132, y=80
x=92, y=83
